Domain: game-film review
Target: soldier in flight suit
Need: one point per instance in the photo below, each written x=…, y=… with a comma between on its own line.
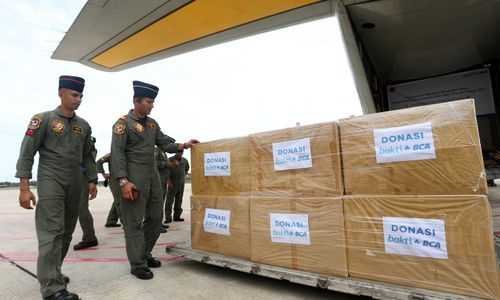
x=174, y=196
x=84, y=216
x=133, y=163
x=163, y=170
x=114, y=213
x=63, y=141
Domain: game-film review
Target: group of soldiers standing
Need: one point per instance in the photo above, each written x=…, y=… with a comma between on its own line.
x=67, y=179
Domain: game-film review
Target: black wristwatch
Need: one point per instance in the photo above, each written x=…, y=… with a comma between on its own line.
x=93, y=180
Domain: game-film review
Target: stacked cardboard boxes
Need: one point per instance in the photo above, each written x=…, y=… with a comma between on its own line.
x=415, y=207
x=414, y=210
x=426, y=150
x=296, y=206
x=220, y=209
x=436, y=242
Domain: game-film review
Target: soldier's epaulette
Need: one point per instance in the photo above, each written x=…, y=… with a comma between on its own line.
x=105, y=156
x=123, y=118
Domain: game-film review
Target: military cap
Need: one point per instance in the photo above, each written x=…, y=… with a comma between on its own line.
x=72, y=83
x=145, y=89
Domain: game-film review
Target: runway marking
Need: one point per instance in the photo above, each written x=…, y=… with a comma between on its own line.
x=92, y=248
x=87, y=259
x=79, y=235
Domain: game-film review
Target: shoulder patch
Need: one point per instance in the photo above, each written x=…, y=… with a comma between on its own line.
x=35, y=123
x=77, y=129
x=151, y=126
x=119, y=128
x=138, y=127
x=58, y=126
x=30, y=132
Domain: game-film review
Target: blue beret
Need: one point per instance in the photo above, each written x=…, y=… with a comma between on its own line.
x=72, y=83
x=145, y=89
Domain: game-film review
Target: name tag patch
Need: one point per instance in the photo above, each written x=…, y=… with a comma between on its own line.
x=77, y=129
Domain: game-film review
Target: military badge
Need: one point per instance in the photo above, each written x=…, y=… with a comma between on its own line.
x=57, y=126
x=151, y=126
x=77, y=129
x=138, y=127
x=34, y=123
x=119, y=128
x=123, y=118
x=30, y=132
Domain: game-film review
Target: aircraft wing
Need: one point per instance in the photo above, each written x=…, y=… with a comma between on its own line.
x=114, y=35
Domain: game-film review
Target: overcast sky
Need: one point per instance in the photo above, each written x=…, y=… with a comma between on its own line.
x=264, y=82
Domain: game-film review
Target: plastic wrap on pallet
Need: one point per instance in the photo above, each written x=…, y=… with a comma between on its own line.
x=435, y=242
x=221, y=167
x=221, y=224
x=426, y=150
x=299, y=233
x=300, y=161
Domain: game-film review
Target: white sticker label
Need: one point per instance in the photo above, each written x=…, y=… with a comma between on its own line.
x=294, y=154
x=290, y=228
x=218, y=164
x=416, y=237
x=405, y=143
x=217, y=221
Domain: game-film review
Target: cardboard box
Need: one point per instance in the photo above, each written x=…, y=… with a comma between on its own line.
x=208, y=216
x=399, y=239
x=318, y=247
x=457, y=168
x=238, y=161
x=323, y=177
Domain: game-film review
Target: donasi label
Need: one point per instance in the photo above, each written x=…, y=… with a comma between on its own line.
x=405, y=143
x=217, y=164
x=416, y=237
x=217, y=221
x=290, y=228
x=294, y=154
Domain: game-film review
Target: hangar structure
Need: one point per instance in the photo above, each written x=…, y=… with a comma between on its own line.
x=390, y=44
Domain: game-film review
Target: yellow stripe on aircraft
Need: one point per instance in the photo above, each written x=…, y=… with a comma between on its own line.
x=195, y=20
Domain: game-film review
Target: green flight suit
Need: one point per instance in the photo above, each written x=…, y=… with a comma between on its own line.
x=132, y=156
x=64, y=146
x=114, y=213
x=163, y=170
x=174, y=196
x=84, y=215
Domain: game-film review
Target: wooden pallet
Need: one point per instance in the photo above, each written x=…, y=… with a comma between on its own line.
x=349, y=285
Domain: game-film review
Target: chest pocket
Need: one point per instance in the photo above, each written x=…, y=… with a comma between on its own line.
x=77, y=135
x=138, y=130
x=57, y=131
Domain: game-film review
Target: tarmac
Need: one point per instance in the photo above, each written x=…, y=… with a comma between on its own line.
x=103, y=272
